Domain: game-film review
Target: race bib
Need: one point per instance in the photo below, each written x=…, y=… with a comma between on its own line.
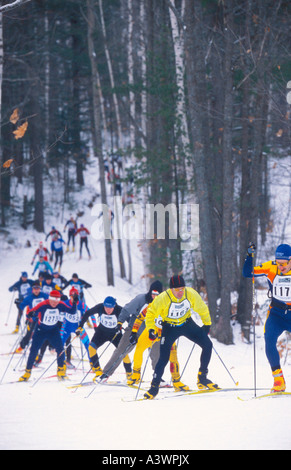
x=178, y=310
x=51, y=317
x=108, y=321
x=24, y=288
x=282, y=288
x=35, y=302
x=74, y=317
x=47, y=289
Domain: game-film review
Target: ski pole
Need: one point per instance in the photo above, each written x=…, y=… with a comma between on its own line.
x=235, y=383
x=99, y=358
x=22, y=356
x=128, y=347
x=254, y=324
x=12, y=352
x=145, y=366
x=55, y=360
x=9, y=311
x=187, y=360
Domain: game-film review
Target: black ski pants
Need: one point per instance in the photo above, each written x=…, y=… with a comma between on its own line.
x=170, y=333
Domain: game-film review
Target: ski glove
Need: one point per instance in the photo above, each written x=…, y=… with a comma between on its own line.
x=78, y=331
x=251, y=249
x=133, y=338
x=152, y=335
x=118, y=328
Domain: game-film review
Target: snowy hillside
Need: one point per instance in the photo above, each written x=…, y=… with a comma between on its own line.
x=52, y=416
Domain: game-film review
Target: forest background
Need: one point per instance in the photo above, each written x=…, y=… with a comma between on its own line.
x=181, y=102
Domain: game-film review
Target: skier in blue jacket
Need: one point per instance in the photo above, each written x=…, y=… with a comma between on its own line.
x=31, y=301
x=71, y=323
x=49, y=314
x=22, y=286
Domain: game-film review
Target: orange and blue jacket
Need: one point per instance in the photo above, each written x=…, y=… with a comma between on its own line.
x=279, y=284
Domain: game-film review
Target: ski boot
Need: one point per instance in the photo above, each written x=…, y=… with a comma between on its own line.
x=179, y=386
x=61, y=373
x=152, y=392
x=98, y=373
x=279, y=381
x=25, y=376
x=18, y=350
x=15, y=331
x=203, y=383
x=135, y=377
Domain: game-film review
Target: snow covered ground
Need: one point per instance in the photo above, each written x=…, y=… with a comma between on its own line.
x=50, y=416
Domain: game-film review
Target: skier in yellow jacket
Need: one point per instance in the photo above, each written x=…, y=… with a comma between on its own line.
x=144, y=343
x=175, y=306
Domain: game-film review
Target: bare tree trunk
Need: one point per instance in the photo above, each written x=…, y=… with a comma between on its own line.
x=223, y=331
x=195, y=67
x=119, y=130
x=98, y=137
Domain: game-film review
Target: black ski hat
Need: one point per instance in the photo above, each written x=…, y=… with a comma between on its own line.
x=155, y=286
x=177, y=281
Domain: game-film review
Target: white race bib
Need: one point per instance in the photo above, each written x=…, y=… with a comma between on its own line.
x=178, y=310
x=51, y=317
x=35, y=302
x=24, y=288
x=73, y=317
x=282, y=288
x=108, y=321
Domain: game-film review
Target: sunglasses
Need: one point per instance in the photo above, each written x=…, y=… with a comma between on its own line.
x=282, y=264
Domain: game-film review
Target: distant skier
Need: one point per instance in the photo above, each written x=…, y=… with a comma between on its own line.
x=83, y=232
x=72, y=227
x=42, y=266
x=31, y=301
x=48, y=284
x=57, y=248
x=22, y=286
x=53, y=232
x=41, y=252
x=59, y=279
x=71, y=323
x=79, y=284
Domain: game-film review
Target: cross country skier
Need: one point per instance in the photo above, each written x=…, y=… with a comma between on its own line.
x=174, y=307
x=31, y=301
x=57, y=249
x=108, y=312
x=42, y=266
x=83, y=232
x=22, y=286
x=72, y=227
x=49, y=313
x=78, y=283
x=71, y=322
x=128, y=314
x=278, y=274
x=144, y=343
x=59, y=280
x=53, y=232
x=48, y=284
x=41, y=251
